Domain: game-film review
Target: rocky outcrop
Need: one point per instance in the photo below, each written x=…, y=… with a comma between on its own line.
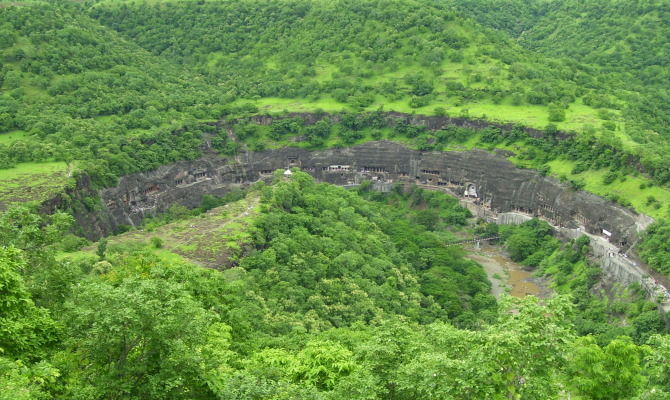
x=488, y=184
x=487, y=179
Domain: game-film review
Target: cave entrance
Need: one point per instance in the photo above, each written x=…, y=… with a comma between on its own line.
x=470, y=190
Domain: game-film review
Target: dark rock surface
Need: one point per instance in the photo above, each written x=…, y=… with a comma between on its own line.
x=391, y=117
x=489, y=180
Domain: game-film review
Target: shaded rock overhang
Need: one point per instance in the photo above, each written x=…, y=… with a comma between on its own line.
x=486, y=178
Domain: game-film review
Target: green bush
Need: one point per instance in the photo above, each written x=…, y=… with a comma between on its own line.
x=156, y=242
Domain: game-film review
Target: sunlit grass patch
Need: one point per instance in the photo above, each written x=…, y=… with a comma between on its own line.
x=635, y=189
x=32, y=182
x=10, y=137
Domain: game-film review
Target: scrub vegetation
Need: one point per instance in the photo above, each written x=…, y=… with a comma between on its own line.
x=340, y=294
x=299, y=290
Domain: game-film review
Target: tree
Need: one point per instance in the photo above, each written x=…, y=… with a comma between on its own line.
x=7, y=38
x=428, y=218
x=140, y=339
x=521, y=245
x=25, y=229
x=323, y=364
x=611, y=372
x=657, y=361
x=101, y=249
x=26, y=331
x=21, y=381
x=556, y=113
x=519, y=357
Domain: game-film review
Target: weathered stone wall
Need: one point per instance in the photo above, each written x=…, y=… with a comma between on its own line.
x=512, y=218
x=489, y=185
x=490, y=180
x=617, y=266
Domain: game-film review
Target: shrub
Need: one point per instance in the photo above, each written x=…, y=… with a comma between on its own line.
x=609, y=177
x=156, y=242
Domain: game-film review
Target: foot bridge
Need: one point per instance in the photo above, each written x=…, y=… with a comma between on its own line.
x=476, y=241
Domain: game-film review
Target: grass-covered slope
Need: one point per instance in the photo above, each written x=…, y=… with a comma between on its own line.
x=400, y=54
x=620, y=35
x=71, y=89
x=214, y=239
x=426, y=57
x=626, y=41
x=89, y=93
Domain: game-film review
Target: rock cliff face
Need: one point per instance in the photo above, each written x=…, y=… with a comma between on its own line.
x=616, y=265
x=489, y=185
x=486, y=179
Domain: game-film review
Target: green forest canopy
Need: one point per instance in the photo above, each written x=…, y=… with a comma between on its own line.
x=90, y=93
x=342, y=294
x=127, y=84
x=87, y=81
x=341, y=297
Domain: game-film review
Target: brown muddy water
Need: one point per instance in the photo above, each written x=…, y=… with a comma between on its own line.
x=506, y=276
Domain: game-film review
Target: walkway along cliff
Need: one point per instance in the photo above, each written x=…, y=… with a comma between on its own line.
x=491, y=186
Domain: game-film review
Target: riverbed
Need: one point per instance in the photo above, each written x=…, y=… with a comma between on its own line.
x=506, y=276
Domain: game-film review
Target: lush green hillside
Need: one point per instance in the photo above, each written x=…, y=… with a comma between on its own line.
x=622, y=36
x=629, y=39
x=625, y=40
x=402, y=55
x=513, y=17
x=425, y=58
x=300, y=55
x=90, y=94
x=299, y=290
x=74, y=90
x=338, y=297
x=93, y=95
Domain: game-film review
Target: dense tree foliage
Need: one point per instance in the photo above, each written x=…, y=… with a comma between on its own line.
x=340, y=294
x=572, y=273
x=79, y=92
x=655, y=247
x=126, y=105
x=343, y=295
x=625, y=40
x=284, y=50
x=354, y=51
x=88, y=94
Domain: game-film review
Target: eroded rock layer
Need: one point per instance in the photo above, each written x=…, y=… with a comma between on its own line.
x=485, y=178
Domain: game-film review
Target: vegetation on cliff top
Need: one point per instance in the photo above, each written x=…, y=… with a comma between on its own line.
x=323, y=293
x=129, y=101
x=405, y=55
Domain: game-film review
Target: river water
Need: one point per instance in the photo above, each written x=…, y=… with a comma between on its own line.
x=506, y=276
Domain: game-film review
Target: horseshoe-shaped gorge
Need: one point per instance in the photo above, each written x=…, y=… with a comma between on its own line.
x=334, y=200
x=490, y=186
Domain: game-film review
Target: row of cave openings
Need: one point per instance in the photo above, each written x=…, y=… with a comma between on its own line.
x=428, y=177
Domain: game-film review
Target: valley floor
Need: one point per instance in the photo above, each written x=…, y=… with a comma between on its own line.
x=506, y=276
